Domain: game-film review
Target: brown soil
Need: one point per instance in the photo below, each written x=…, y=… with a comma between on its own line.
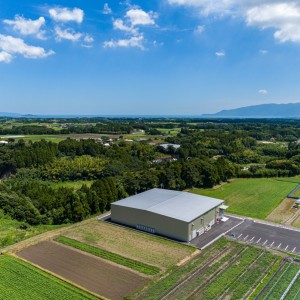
x=283, y=212
x=91, y=273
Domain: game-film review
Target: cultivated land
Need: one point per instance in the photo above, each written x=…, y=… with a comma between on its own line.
x=131, y=243
x=286, y=282
x=88, y=271
x=225, y=270
x=255, y=198
x=20, y=280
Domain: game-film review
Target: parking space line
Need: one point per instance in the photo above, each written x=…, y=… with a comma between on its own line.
x=286, y=247
x=272, y=244
x=265, y=242
x=258, y=241
x=239, y=235
x=294, y=250
x=252, y=239
x=246, y=237
x=279, y=246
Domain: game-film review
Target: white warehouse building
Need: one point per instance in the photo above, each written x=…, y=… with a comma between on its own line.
x=178, y=215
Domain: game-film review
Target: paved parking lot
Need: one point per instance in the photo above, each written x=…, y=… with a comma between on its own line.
x=267, y=235
x=216, y=231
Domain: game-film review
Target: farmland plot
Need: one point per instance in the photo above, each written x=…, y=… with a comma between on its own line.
x=285, y=284
x=20, y=280
x=85, y=270
x=226, y=270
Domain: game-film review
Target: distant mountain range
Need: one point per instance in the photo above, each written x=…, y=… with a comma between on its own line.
x=290, y=110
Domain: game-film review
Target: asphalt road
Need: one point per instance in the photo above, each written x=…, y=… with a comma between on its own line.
x=267, y=235
x=216, y=231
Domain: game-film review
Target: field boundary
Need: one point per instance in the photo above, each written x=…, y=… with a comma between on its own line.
x=292, y=191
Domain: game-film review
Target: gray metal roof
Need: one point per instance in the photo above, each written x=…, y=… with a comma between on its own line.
x=174, y=204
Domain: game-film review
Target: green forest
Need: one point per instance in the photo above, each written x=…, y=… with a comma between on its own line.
x=207, y=153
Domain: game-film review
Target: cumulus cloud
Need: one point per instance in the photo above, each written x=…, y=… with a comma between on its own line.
x=65, y=14
x=11, y=45
x=220, y=53
x=28, y=26
x=263, y=92
x=67, y=34
x=139, y=17
x=135, y=41
x=106, y=9
x=283, y=16
x=5, y=57
x=120, y=25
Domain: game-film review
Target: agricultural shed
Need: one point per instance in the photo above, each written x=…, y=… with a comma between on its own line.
x=178, y=215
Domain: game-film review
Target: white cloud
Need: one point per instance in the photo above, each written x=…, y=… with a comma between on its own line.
x=139, y=17
x=28, y=26
x=263, y=92
x=135, y=41
x=11, y=45
x=119, y=25
x=88, y=39
x=220, y=53
x=67, y=15
x=5, y=57
x=67, y=34
x=283, y=16
x=199, y=29
x=106, y=9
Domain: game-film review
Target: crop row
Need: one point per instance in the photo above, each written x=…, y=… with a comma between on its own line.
x=158, y=289
x=114, y=257
x=225, y=279
x=280, y=282
x=23, y=281
x=196, y=282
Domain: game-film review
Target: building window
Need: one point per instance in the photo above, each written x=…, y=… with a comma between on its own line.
x=145, y=228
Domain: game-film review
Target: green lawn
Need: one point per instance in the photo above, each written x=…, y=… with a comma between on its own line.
x=252, y=197
x=20, y=280
x=10, y=231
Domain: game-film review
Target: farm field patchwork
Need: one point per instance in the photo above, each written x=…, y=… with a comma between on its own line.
x=87, y=271
x=116, y=258
x=130, y=243
x=284, y=285
x=255, y=198
x=20, y=280
x=226, y=270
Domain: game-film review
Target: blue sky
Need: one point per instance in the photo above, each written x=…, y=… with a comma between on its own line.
x=167, y=57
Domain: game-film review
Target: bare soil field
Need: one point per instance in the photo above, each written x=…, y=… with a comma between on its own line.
x=285, y=213
x=91, y=273
x=131, y=243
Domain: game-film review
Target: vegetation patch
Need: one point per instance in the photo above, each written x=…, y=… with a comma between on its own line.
x=116, y=258
x=131, y=243
x=251, y=197
x=20, y=280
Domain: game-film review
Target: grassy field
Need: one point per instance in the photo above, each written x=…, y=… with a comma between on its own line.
x=116, y=258
x=20, y=280
x=225, y=270
x=10, y=231
x=252, y=197
x=130, y=243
